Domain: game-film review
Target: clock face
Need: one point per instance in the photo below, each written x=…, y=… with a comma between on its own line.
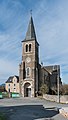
x=28, y=59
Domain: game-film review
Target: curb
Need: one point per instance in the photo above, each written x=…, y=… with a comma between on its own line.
x=64, y=112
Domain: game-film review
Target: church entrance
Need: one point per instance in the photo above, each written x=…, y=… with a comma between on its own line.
x=27, y=90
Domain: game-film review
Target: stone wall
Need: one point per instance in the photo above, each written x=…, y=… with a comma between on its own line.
x=63, y=98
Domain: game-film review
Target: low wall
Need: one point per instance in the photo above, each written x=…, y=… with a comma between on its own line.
x=63, y=98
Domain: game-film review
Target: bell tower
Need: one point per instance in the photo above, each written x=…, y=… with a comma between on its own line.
x=29, y=67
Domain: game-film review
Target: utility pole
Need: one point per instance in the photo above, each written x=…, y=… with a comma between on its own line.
x=58, y=86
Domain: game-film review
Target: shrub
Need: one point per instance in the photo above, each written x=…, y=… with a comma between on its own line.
x=44, y=89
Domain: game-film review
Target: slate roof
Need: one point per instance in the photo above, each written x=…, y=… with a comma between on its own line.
x=45, y=69
x=10, y=79
x=52, y=68
x=31, y=30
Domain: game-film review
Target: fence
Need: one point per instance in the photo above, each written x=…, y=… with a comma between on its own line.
x=9, y=95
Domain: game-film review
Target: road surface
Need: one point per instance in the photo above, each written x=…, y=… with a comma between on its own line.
x=31, y=109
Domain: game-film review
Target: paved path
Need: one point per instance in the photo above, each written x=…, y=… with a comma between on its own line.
x=31, y=109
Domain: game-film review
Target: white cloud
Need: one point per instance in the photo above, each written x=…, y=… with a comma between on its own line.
x=52, y=30
x=51, y=22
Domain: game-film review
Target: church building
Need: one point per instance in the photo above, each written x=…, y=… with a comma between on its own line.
x=31, y=73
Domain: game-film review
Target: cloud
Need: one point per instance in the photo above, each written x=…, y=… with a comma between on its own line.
x=52, y=30
x=51, y=23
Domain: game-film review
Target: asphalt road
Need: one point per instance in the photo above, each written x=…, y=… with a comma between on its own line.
x=31, y=109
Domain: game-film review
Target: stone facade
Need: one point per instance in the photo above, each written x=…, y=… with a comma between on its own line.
x=28, y=69
x=51, y=76
x=31, y=73
x=63, y=98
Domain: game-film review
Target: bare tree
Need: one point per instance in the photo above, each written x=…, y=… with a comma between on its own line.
x=65, y=89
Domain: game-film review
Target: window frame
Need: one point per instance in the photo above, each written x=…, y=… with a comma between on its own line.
x=28, y=47
x=9, y=84
x=14, y=84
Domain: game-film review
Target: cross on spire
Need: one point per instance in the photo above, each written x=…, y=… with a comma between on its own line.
x=31, y=12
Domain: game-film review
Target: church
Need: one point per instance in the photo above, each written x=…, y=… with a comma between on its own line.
x=32, y=74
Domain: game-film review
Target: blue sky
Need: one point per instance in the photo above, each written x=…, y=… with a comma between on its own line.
x=51, y=26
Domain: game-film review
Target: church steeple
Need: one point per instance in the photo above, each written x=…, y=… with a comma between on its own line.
x=29, y=68
x=31, y=30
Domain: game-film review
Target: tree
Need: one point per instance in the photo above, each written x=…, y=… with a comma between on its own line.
x=65, y=89
x=55, y=89
x=44, y=89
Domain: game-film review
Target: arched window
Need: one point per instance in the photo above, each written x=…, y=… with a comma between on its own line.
x=29, y=47
x=23, y=70
x=26, y=48
x=27, y=71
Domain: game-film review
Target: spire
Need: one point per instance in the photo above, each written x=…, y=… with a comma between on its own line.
x=31, y=31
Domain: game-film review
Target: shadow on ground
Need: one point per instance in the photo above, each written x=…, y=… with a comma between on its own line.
x=29, y=112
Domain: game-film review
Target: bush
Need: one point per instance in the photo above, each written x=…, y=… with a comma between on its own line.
x=44, y=89
x=5, y=94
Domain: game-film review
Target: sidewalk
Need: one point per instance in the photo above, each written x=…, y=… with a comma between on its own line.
x=64, y=111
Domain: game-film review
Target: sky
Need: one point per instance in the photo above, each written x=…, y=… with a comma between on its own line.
x=51, y=26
